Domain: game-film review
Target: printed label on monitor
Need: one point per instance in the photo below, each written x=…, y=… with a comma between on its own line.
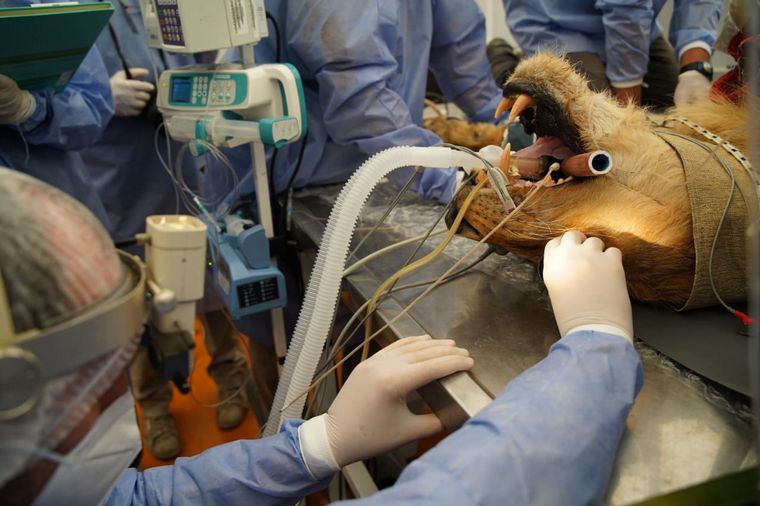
x=258, y=292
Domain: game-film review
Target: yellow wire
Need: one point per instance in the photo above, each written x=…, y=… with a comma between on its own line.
x=417, y=264
x=541, y=184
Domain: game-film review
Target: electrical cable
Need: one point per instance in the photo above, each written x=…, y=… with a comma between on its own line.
x=338, y=342
x=360, y=309
x=419, y=263
x=405, y=310
x=166, y=164
x=449, y=236
x=128, y=73
x=276, y=35
x=387, y=212
x=435, y=224
x=345, y=336
x=125, y=243
x=289, y=188
x=712, y=151
x=372, y=256
x=278, y=222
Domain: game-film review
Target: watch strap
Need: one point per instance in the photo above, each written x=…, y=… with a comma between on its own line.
x=703, y=67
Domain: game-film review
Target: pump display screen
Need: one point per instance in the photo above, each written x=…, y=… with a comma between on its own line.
x=181, y=89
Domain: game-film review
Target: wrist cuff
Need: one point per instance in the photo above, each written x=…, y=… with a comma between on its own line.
x=599, y=327
x=692, y=45
x=315, y=447
x=627, y=84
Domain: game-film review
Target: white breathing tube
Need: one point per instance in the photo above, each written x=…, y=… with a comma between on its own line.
x=318, y=309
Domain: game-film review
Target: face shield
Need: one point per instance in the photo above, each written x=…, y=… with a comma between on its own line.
x=71, y=313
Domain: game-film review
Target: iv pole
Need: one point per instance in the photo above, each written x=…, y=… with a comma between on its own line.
x=264, y=206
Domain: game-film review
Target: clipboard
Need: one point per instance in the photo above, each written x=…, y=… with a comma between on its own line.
x=41, y=46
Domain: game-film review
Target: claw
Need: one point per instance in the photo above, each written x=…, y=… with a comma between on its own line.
x=505, y=104
x=523, y=102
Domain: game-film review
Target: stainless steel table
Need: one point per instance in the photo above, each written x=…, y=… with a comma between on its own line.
x=682, y=430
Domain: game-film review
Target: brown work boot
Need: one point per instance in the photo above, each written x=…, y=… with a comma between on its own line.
x=234, y=401
x=161, y=437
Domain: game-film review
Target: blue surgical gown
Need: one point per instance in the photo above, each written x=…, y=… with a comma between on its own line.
x=124, y=164
x=364, y=66
x=46, y=145
x=549, y=438
x=618, y=31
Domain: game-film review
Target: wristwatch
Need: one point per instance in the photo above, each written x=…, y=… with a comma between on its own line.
x=703, y=67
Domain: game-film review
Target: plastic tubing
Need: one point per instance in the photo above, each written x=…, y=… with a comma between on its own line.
x=318, y=309
x=595, y=163
x=415, y=265
x=529, y=167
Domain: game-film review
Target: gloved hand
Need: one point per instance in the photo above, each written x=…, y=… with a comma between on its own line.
x=369, y=416
x=586, y=285
x=692, y=87
x=130, y=96
x=16, y=105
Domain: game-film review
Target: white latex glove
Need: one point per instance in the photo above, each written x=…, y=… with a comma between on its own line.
x=586, y=285
x=692, y=87
x=16, y=105
x=130, y=96
x=370, y=416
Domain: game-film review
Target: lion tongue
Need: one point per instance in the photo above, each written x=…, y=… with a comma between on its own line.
x=546, y=146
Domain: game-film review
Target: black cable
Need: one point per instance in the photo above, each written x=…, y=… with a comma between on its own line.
x=282, y=209
x=282, y=221
x=276, y=37
x=277, y=60
x=125, y=243
x=298, y=164
x=119, y=53
x=162, y=55
x=387, y=212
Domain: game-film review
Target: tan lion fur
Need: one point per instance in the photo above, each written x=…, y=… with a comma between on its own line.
x=462, y=133
x=641, y=207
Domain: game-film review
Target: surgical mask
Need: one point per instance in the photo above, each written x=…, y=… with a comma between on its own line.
x=63, y=404
x=86, y=474
x=62, y=400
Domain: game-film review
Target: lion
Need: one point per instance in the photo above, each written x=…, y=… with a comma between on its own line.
x=662, y=204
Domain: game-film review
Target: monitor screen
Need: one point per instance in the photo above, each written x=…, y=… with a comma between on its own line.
x=181, y=89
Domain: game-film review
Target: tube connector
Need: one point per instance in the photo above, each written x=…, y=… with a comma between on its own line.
x=492, y=154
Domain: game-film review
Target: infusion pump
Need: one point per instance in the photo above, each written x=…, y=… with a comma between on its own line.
x=230, y=105
x=195, y=26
